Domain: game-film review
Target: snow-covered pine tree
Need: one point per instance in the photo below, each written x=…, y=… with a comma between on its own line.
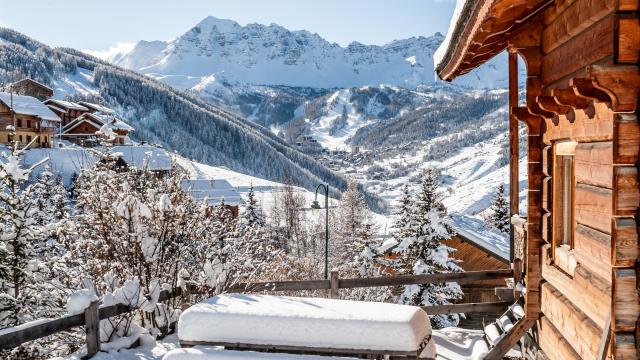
x=252, y=213
x=402, y=234
x=351, y=233
x=499, y=217
x=424, y=252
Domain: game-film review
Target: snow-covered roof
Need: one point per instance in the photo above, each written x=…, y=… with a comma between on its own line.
x=457, y=20
x=213, y=190
x=97, y=107
x=66, y=104
x=27, y=105
x=156, y=159
x=77, y=121
x=305, y=322
x=55, y=108
x=98, y=120
x=33, y=81
x=112, y=121
x=477, y=232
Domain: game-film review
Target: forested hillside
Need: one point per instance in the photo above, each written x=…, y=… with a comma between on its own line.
x=161, y=114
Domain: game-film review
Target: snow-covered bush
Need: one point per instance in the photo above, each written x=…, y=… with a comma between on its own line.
x=30, y=260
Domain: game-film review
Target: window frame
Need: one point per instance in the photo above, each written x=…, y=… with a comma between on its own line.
x=561, y=247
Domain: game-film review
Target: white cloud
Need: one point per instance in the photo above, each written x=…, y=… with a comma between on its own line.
x=119, y=48
x=3, y=23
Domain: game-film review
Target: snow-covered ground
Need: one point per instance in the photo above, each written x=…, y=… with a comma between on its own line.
x=338, y=105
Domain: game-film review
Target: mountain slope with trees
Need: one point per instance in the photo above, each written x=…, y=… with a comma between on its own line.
x=175, y=119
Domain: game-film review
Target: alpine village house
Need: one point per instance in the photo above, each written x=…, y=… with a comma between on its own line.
x=579, y=242
x=36, y=116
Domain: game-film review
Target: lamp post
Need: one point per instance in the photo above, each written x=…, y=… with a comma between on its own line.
x=316, y=205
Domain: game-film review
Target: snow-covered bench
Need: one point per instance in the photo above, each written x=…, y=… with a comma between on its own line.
x=306, y=325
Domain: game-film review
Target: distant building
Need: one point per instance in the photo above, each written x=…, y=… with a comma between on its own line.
x=214, y=192
x=32, y=120
x=308, y=144
x=82, y=130
x=151, y=158
x=30, y=87
x=66, y=110
x=96, y=108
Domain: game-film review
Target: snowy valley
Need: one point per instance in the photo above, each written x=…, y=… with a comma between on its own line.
x=201, y=177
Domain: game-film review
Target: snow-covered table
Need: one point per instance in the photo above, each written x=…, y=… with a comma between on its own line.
x=305, y=325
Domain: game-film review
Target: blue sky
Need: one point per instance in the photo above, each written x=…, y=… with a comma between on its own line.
x=100, y=24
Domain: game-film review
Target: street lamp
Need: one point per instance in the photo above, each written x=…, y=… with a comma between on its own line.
x=316, y=205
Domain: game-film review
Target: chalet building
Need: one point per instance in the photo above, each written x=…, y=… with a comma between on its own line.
x=82, y=130
x=214, y=192
x=66, y=110
x=476, y=254
x=150, y=158
x=579, y=242
x=30, y=87
x=32, y=120
x=96, y=108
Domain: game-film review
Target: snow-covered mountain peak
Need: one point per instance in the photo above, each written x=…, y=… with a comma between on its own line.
x=221, y=25
x=257, y=54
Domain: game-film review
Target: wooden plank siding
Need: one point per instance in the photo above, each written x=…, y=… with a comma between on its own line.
x=588, y=291
x=577, y=328
x=552, y=343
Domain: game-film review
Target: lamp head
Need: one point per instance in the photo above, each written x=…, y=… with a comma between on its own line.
x=315, y=204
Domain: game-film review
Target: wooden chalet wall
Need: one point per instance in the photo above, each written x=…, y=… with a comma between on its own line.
x=582, y=86
x=473, y=258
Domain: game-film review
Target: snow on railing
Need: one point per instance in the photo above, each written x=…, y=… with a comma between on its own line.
x=90, y=318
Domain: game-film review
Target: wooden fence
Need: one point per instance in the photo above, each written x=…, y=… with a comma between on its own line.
x=91, y=317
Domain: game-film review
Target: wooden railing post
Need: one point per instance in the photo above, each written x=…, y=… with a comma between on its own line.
x=334, y=281
x=92, y=327
x=517, y=277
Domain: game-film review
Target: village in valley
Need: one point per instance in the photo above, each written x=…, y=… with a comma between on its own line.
x=246, y=191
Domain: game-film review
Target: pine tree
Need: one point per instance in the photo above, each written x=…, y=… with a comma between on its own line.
x=352, y=230
x=403, y=224
x=424, y=253
x=252, y=213
x=499, y=217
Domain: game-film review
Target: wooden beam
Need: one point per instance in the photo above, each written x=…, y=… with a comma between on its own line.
x=333, y=281
x=620, y=82
x=92, y=329
x=510, y=339
x=627, y=49
x=486, y=307
x=569, y=97
x=549, y=103
x=626, y=139
x=462, y=277
x=605, y=340
x=586, y=88
x=514, y=190
x=536, y=109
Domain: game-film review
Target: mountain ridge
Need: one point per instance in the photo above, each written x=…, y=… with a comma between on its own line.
x=258, y=54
